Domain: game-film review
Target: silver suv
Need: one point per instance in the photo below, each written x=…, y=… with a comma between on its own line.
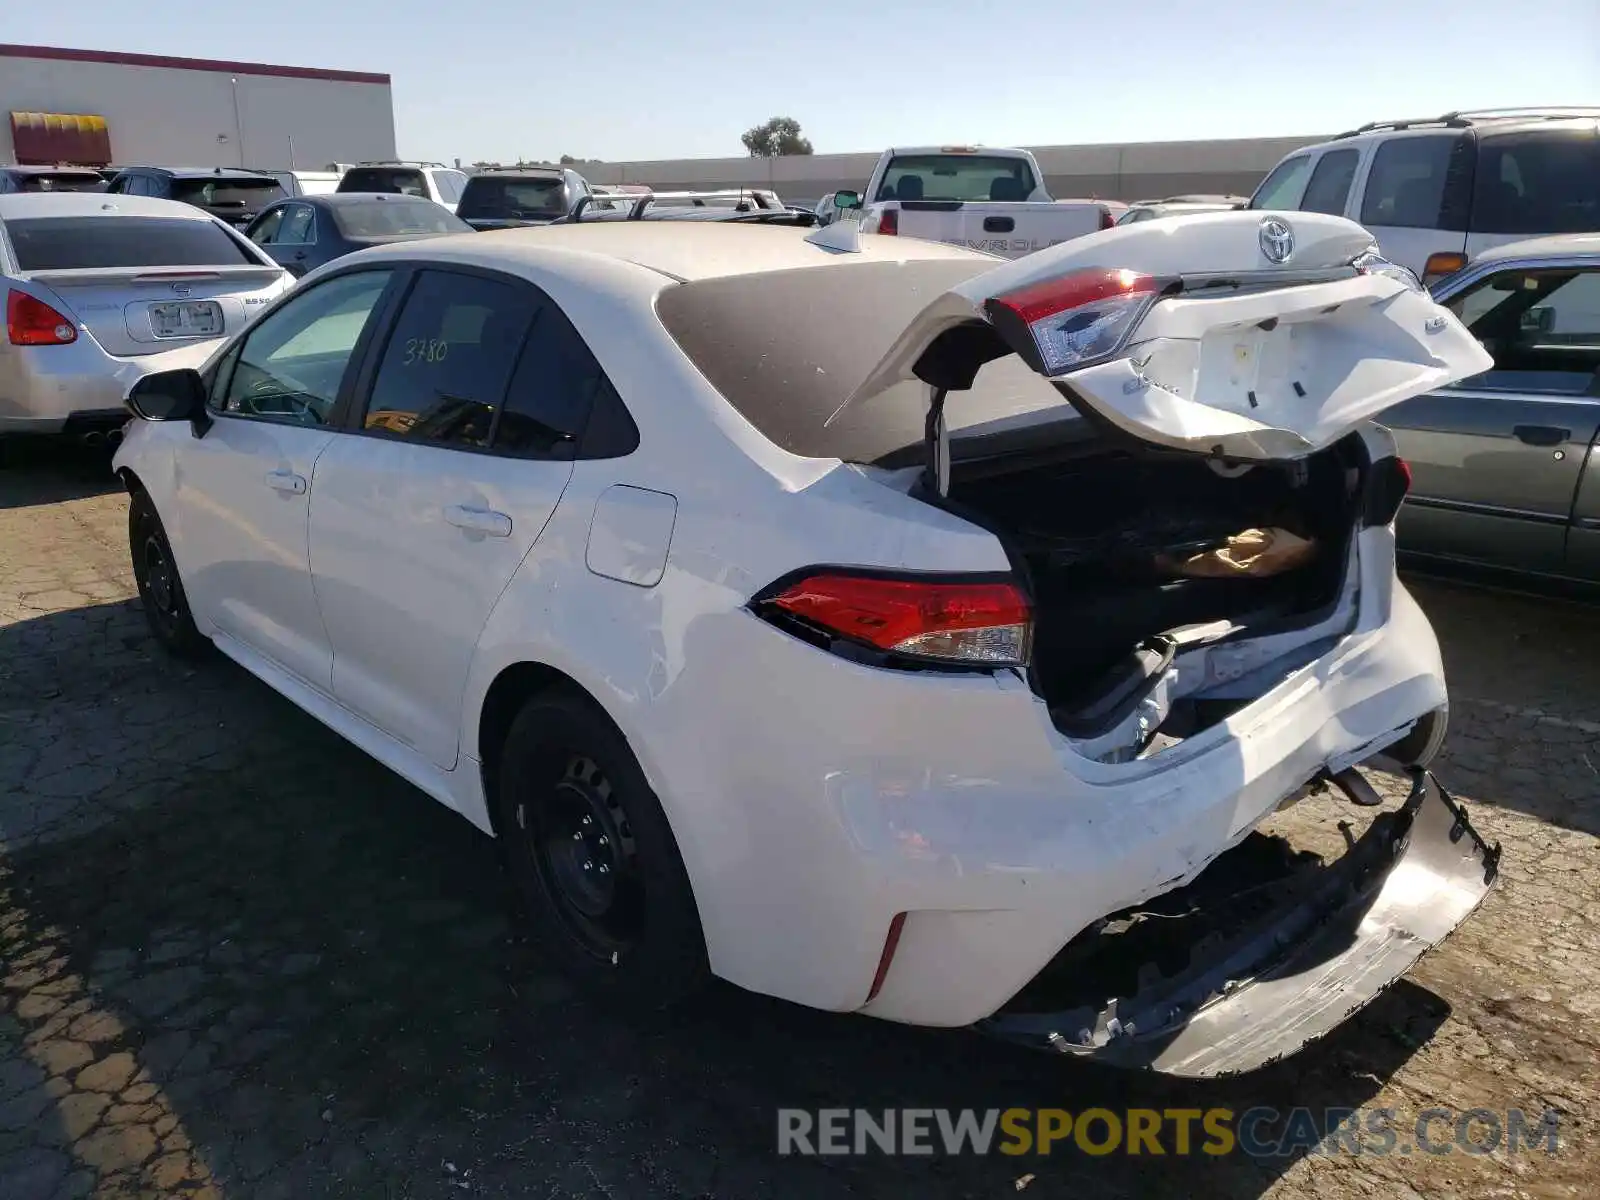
x=1437, y=192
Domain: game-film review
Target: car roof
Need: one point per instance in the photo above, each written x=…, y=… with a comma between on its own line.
x=205, y=172
x=491, y=172
x=681, y=250
x=1560, y=245
x=95, y=204
x=340, y=199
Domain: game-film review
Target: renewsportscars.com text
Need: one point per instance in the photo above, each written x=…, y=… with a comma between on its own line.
x=1257, y=1132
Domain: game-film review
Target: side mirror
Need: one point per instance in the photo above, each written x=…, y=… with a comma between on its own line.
x=169, y=396
x=846, y=200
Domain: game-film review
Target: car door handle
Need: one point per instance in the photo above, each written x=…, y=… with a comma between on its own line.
x=998, y=225
x=287, y=481
x=478, y=520
x=1541, y=435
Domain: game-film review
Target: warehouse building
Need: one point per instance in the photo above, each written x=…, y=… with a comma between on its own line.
x=100, y=108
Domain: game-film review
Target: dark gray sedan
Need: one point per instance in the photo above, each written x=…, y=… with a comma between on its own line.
x=307, y=231
x=1505, y=475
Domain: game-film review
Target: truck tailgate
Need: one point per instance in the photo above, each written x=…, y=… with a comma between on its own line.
x=1009, y=229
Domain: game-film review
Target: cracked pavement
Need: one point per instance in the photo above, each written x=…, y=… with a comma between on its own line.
x=240, y=959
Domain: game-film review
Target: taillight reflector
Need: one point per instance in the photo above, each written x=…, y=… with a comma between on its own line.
x=891, y=943
x=889, y=221
x=988, y=623
x=32, y=322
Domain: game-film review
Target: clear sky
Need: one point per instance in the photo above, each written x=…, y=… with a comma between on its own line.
x=632, y=79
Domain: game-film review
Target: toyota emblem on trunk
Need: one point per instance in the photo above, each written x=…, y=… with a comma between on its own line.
x=1277, y=240
x=183, y=289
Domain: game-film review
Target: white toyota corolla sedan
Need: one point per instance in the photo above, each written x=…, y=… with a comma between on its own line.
x=869, y=622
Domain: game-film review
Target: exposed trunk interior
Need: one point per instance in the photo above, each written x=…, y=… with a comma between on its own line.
x=1108, y=538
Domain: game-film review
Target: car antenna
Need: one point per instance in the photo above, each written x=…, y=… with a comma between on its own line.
x=843, y=237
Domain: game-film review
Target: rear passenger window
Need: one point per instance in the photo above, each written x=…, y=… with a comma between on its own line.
x=552, y=392
x=1406, y=187
x=1537, y=183
x=1282, y=188
x=1330, y=182
x=449, y=358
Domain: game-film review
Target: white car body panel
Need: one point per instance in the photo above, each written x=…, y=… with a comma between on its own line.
x=812, y=798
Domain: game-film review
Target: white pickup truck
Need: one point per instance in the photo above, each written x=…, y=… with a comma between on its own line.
x=981, y=198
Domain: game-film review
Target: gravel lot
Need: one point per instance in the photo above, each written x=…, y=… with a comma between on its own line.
x=239, y=959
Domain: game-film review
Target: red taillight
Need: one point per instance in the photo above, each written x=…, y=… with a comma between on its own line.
x=32, y=322
x=1107, y=221
x=987, y=623
x=1075, y=319
x=889, y=221
x=890, y=944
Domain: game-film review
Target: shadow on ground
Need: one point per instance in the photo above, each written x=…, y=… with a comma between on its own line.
x=36, y=471
x=242, y=959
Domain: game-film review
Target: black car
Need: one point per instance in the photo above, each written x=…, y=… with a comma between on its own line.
x=510, y=197
x=307, y=231
x=227, y=193
x=50, y=179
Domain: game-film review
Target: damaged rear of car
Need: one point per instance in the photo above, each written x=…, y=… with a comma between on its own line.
x=1170, y=434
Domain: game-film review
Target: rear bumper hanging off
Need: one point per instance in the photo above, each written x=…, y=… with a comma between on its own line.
x=1263, y=991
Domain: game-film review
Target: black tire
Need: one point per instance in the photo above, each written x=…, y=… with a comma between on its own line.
x=166, y=606
x=593, y=857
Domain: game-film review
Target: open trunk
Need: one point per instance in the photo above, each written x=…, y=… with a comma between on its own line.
x=1134, y=558
x=1187, y=537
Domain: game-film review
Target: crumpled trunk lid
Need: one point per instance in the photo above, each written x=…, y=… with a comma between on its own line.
x=1242, y=335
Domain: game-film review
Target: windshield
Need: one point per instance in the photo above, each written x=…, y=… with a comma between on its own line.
x=513, y=199
x=60, y=181
x=76, y=243
x=228, y=193
x=398, y=181
x=786, y=349
x=395, y=218
x=956, y=177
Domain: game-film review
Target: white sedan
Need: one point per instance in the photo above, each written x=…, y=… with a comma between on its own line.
x=865, y=621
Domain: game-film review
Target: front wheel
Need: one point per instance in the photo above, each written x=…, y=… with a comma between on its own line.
x=593, y=856
x=155, y=571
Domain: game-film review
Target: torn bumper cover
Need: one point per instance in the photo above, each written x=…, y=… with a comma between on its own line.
x=1324, y=947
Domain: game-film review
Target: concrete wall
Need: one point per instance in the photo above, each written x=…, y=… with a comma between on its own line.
x=188, y=117
x=1136, y=171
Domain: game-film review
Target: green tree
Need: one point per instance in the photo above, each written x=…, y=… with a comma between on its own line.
x=776, y=138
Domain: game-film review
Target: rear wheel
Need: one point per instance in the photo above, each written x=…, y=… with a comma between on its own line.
x=594, y=858
x=166, y=607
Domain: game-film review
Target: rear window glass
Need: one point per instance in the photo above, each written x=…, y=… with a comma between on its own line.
x=60, y=181
x=512, y=199
x=395, y=218
x=956, y=177
x=228, y=193
x=400, y=181
x=1406, y=186
x=1537, y=183
x=74, y=243
x=787, y=348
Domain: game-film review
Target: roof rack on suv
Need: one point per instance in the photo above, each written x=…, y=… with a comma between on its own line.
x=396, y=162
x=758, y=198
x=1464, y=118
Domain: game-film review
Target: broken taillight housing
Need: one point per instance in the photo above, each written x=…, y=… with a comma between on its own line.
x=983, y=622
x=1074, y=320
x=1373, y=263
